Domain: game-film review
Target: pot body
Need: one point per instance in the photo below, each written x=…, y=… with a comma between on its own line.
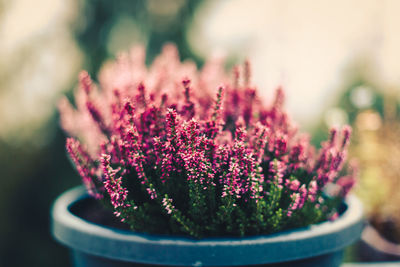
x=81, y=259
x=373, y=247
x=95, y=245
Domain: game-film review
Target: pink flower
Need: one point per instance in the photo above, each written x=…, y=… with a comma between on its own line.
x=169, y=133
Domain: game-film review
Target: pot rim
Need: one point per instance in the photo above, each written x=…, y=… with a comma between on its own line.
x=311, y=241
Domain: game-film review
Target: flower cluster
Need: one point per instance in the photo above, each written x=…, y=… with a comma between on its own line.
x=181, y=151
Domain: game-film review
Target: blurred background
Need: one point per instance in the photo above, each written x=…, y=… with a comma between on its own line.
x=337, y=60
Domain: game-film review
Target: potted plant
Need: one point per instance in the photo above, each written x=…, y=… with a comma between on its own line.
x=378, y=188
x=200, y=176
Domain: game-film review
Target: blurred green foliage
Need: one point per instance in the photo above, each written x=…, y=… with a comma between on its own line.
x=33, y=176
x=155, y=21
x=345, y=102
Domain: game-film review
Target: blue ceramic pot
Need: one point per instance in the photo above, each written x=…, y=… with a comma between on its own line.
x=96, y=245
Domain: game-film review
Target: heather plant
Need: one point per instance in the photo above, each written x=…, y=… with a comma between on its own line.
x=175, y=150
x=378, y=151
